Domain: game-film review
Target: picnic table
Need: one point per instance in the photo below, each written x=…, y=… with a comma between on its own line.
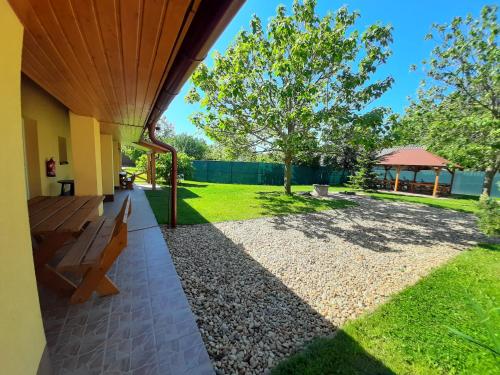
x=414, y=186
x=53, y=222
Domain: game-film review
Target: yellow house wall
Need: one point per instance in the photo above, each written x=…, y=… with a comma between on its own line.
x=117, y=162
x=22, y=338
x=108, y=187
x=52, y=121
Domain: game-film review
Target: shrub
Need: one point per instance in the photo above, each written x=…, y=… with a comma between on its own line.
x=164, y=164
x=364, y=178
x=489, y=216
x=141, y=162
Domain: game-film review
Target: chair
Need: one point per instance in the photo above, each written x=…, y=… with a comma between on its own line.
x=128, y=182
x=94, y=252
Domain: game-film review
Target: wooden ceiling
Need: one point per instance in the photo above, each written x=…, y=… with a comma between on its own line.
x=103, y=58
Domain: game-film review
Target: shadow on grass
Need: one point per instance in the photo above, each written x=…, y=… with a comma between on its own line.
x=160, y=204
x=453, y=203
x=277, y=203
x=340, y=355
x=187, y=184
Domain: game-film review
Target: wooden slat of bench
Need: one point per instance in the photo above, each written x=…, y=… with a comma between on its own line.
x=73, y=258
x=76, y=222
x=47, y=212
x=63, y=215
x=101, y=240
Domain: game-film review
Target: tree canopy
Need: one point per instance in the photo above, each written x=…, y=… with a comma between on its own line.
x=456, y=112
x=280, y=89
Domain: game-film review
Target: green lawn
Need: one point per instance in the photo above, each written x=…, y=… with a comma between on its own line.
x=202, y=202
x=409, y=334
x=462, y=203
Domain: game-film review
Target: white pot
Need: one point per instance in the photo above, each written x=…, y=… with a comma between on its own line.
x=321, y=190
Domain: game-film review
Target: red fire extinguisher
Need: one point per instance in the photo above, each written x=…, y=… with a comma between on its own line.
x=50, y=166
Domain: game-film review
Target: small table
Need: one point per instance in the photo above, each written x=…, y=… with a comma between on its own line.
x=71, y=184
x=53, y=222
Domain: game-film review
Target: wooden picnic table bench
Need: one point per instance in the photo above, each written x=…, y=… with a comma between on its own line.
x=92, y=254
x=53, y=222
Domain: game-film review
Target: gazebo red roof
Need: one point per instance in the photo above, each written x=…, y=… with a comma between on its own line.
x=411, y=157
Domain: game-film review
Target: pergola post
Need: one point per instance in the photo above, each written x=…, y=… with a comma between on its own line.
x=436, y=182
x=148, y=168
x=153, y=170
x=396, y=182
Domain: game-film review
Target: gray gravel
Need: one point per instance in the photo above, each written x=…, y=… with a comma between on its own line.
x=263, y=288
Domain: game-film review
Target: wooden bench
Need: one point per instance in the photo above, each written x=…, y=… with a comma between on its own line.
x=94, y=252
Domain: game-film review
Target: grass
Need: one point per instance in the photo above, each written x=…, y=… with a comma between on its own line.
x=202, y=202
x=462, y=203
x=409, y=334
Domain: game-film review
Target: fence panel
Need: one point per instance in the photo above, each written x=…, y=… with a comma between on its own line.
x=471, y=183
x=252, y=173
x=262, y=173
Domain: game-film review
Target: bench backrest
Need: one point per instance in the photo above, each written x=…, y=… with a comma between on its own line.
x=122, y=217
x=89, y=248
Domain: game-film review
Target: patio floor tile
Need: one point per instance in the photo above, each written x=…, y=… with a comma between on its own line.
x=148, y=328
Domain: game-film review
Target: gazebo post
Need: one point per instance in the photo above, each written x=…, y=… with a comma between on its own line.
x=396, y=182
x=436, y=182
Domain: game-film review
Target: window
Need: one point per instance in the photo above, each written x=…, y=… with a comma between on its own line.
x=63, y=151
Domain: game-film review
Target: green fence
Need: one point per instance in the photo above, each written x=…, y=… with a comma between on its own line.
x=232, y=172
x=228, y=172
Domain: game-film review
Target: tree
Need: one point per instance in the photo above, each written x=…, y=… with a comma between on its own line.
x=275, y=91
x=166, y=128
x=365, y=178
x=133, y=153
x=192, y=146
x=164, y=165
x=456, y=113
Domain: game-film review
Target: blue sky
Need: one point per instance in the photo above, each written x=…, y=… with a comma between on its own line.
x=411, y=20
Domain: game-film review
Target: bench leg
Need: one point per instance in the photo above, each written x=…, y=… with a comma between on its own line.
x=106, y=287
x=49, y=277
x=48, y=247
x=96, y=278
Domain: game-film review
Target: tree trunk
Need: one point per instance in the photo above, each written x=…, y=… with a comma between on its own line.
x=490, y=175
x=288, y=175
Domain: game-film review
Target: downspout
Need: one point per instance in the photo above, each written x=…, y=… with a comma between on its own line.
x=210, y=19
x=173, y=173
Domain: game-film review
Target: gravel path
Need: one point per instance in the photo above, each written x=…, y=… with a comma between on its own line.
x=263, y=288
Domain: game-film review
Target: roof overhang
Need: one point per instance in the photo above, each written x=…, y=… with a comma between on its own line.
x=414, y=158
x=114, y=60
x=151, y=146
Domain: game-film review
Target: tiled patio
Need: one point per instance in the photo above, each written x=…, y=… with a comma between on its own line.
x=146, y=329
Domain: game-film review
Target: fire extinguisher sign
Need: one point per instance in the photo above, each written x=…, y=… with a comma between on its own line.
x=50, y=166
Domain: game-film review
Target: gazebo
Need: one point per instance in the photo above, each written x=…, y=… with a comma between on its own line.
x=415, y=158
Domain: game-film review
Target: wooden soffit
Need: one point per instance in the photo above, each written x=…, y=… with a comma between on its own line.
x=152, y=146
x=103, y=58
